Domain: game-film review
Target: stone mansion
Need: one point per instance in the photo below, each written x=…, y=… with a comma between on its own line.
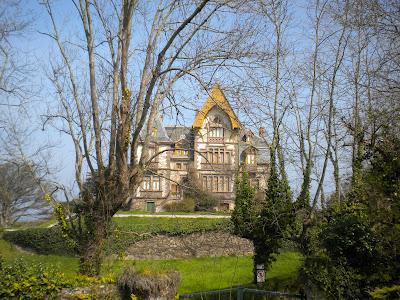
x=214, y=148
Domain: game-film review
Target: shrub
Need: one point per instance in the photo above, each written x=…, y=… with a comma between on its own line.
x=148, y=285
x=41, y=240
x=193, y=189
x=387, y=292
x=22, y=281
x=186, y=205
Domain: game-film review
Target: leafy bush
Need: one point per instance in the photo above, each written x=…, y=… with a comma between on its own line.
x=387, y=292
x=193, y=189
x=22, y=281
x=148, y=285
x=186, y=205
x=40, y=240
x=346, y=263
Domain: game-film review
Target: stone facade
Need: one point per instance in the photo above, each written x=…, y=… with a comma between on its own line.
x=212, y=150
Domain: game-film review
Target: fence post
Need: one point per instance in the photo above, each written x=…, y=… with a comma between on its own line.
x=239, y=294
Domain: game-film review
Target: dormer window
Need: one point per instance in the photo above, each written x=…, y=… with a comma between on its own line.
x=247, y=137
x=217, y=120
x=251, y=157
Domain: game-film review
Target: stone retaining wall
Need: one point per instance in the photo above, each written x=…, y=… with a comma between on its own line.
x=192, y=245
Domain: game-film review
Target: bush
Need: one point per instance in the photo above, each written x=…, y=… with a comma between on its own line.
x=346, y=263
x=148, y=285
x=193, y=189
x=387, y=292
x=186, y=205
x=22, y=281
x=40, y=240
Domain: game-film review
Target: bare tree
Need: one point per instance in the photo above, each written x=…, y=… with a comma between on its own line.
x=25, y=175
x=13, y=67
x=21, y=194
x=109, y=111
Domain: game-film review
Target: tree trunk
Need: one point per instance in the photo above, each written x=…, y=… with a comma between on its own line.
x=92, y=248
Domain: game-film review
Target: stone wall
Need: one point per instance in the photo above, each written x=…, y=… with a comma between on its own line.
x=192, y=245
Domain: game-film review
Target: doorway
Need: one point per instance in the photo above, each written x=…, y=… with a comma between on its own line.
x=150, y=206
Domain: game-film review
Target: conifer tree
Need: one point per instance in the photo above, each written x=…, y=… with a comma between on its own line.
x=264, y=225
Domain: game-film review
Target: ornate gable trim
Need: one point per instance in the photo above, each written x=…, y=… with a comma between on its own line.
x=216, y=98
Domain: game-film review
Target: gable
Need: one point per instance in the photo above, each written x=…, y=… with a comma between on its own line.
x=216, y=98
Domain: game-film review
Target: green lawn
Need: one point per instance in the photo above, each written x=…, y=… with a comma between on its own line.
x=143, y=212
x=198, y=274
x=65, y=264
x=169, y=225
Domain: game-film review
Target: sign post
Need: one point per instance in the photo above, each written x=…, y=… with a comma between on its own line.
x=260, y=271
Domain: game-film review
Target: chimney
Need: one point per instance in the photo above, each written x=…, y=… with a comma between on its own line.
x=261, y=132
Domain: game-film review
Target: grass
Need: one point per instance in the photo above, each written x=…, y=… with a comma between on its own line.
x=198, y=274
x=213, y=273
x=168, y=225
x=65, y=264
x=143, y=212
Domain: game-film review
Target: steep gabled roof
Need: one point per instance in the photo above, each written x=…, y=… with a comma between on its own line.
x=178, y=133
x=162, y=135
x=216, y=98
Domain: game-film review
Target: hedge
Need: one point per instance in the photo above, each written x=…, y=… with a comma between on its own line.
x=125, y=232
x=40, y=240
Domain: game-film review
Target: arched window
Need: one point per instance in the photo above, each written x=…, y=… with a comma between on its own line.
x=251, y=157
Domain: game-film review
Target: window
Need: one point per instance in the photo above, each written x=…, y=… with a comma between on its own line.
x=174, y=189
x=205, y=182
x=179, y=166
x=218, y=156
x=156, y=183
x=251, y=157
x=180, y=152
x=216, y=184
x=217, y=132
x=146, y=184
x=151, y=183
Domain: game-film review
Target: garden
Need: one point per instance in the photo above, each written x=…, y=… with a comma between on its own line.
x=38, y=261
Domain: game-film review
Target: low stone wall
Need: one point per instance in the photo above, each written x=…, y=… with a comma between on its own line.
x=192, y=245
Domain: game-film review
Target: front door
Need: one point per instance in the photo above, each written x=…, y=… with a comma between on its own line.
x=150, y=206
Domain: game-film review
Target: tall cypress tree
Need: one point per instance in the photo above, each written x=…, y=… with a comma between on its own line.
x=264, y=225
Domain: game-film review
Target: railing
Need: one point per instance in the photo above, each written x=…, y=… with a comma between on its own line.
x=216, y=140
x=241, y=293
x=211, y=166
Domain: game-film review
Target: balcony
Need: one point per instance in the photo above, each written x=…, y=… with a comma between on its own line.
x=216, y=140
x=219, y=167
x=150, y=194
x=153, y=164
x=250, y=167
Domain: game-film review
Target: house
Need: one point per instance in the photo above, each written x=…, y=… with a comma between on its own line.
x=212, y=151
